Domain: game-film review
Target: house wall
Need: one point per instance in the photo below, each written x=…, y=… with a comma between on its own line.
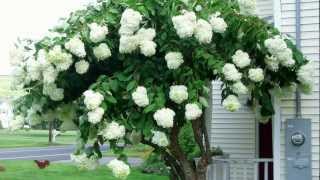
x=310, y=47
x=235, y=132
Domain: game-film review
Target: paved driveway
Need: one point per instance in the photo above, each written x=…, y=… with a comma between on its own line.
x=53, y=154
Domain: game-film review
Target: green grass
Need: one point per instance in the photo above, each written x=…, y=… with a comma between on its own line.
x=32, y=138
x=27, y=170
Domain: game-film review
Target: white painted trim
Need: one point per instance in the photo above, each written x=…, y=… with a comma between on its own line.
x=276, y=127
x=277, y=13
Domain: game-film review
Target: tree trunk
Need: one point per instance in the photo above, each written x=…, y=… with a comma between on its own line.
x=50, y=124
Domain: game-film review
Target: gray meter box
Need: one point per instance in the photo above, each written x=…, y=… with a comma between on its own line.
x=298, y=149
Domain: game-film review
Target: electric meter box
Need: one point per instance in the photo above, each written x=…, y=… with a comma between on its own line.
x=298, y=149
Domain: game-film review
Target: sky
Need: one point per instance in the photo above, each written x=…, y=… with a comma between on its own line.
x=29, y=19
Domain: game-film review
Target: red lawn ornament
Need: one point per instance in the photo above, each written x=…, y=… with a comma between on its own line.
x=42, y=163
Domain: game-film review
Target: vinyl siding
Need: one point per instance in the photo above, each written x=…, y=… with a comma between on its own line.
x=310, y=48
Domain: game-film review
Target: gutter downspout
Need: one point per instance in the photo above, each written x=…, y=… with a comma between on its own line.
x=298, y=44
x=276, y=119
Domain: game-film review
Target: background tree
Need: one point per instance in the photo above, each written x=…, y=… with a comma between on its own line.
x=139, y=71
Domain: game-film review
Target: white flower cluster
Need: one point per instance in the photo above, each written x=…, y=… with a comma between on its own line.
x=159, y=138
x=256, y=74
x=247, y=7
x=17, y=123
x=187, y=25
x=81, y=66
x=277, y=47
x=164, y=117
x=203, y=31
x=130, y=22
x=113, y=131
x=239, y=88
x=130, y=40
x=192, y=111
x=140, y=96
x=231, y=103
x=95, y=115
x=218, y=24
x=76, y=47
x=119, y=169
x=60, y=59
x=174, y=59
x=97, y=32
x=178, y=93
x=85, y=163
x=102, y=52
x=241, y=59
x=231, y=73
x=92, y=100
x=305, y=77
x=51, y=90
x=272, y=63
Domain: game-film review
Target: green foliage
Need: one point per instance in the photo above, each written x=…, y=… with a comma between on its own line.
x=154, y=164
x=187, y=142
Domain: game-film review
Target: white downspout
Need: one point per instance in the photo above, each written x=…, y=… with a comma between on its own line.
x=276, y=119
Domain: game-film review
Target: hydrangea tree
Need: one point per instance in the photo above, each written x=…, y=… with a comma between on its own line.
x=138, y=71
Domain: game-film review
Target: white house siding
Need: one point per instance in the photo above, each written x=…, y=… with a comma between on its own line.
x=310, y=47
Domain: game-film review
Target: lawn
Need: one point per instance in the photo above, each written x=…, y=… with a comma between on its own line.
x=32, y=138
x=27, y=170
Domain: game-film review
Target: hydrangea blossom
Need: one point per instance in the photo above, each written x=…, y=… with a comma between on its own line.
x=159, y=138
x=272, y=63
x=239, y=88
x=102, y=52
x=148, y=48
x=178, y=93
x=231, y=103
x=231, y=73
x=55, y=93
x=95, y=115
x=146, y=34
x=218, y=24
x=97, y=32
x=278, y=49
x=49, y=75
x=17, y=123
x=241, y=59
x=60, y=59
x=92, y=99
x=128, y=44
x=16, y=55
x=164, y=117
x=185, y=24
x=81, y=66
x=84, y=162
x=203, y=31
x=247, y=7
x=174, y=60
x=256, y=74
x=33, y=69
x=192, y=111
x=113, y=131
x=130, y=22
x=76, y=47
x=119, y=168
x=305, y=77
x=140, y=96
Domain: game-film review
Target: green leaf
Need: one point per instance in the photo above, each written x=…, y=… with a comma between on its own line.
x=111, y=99
x=131, y=85
x=204, y=101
